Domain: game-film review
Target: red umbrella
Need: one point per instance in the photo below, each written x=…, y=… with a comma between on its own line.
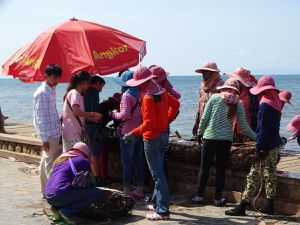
x=76, y=45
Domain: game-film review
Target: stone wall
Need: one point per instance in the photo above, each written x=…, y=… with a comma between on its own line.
x=30, y=149
x=183, y=161
x=183, y=167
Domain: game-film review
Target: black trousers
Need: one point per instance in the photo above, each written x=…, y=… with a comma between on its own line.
x=213, y=149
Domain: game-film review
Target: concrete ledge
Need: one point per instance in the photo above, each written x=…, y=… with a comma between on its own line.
x=20, y=139
x=22, y=157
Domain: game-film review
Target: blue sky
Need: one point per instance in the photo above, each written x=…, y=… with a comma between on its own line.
x=262, y=35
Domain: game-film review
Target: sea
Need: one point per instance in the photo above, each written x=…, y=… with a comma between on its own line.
x=16, y=100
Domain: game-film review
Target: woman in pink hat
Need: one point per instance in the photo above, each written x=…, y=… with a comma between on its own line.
x=159, y=109
x=130, y=115
x=216, y=132
x=211, y=80
x=294, y=126
x=60, y=191
x=268, y=143
x=250, y=102
x=162, y=76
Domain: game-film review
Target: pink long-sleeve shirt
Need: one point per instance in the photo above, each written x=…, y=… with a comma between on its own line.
x=131, y=120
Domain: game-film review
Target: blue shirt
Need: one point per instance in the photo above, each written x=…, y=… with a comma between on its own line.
x=268, y=126
x=91, y=103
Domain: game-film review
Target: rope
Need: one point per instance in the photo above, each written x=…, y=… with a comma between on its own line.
x=261, y=218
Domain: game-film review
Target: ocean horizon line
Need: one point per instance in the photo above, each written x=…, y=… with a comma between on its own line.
x=174, y=75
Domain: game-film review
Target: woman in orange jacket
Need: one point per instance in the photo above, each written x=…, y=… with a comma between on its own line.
x=159, y=109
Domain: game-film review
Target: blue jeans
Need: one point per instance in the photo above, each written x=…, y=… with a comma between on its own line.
x=155, y=154
x=132, y=153
x=76, y=200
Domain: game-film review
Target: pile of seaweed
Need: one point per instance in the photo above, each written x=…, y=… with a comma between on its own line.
x=190, y=152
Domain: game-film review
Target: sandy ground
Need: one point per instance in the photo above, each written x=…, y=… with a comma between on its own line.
x=21, y=203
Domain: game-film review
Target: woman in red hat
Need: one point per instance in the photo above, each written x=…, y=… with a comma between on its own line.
x=268, y=143
x=159, y=109
x=62, y=193
x=211, y=80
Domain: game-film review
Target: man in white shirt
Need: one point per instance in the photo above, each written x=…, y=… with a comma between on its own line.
x=46, y=120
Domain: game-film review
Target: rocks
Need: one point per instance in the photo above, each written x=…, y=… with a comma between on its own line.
x=113, y=205
x=190, y=152
x=30, y=169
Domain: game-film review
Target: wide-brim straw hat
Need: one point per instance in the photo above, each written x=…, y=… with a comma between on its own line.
x=263, y=84
x=208, y=66
x=81, y=147
x=244, y=76
x=140, y=76
x=285, y=96
x=159, y=72
x=231, y=83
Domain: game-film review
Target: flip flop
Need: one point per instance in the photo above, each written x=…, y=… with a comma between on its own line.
x=155, y=217
x=137, y=196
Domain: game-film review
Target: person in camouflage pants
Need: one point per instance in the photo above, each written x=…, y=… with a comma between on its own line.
x=267, y=168
x=268, y=144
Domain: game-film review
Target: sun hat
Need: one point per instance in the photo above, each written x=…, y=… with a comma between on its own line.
x=125, y=76
x=294, y=125
x=230, y=83
x=159, y=72
x=140, y=75
x=244, y=76
x=264, y=83
x=285, y=96
x=208, y=66
x=79, y=146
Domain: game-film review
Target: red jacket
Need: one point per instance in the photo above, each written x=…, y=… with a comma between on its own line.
x=157, y=115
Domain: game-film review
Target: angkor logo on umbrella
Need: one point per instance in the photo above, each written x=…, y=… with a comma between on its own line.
x=110, y=53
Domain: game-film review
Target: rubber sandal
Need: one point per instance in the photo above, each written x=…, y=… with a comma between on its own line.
x=221, y=202
x=155, y=217
x=197, y=200
x=137, y=196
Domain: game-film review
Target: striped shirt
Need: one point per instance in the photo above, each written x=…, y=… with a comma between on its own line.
x=215, y=125
x=45, y=116
x=130, y=119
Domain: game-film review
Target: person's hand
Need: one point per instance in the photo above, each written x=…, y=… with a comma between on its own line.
x=291, y=138
x=96, y=117
x=115, y=111
x=46, y=146
x=195, y=129
x=199, y=140
x=257, y=156
x=128, y=137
